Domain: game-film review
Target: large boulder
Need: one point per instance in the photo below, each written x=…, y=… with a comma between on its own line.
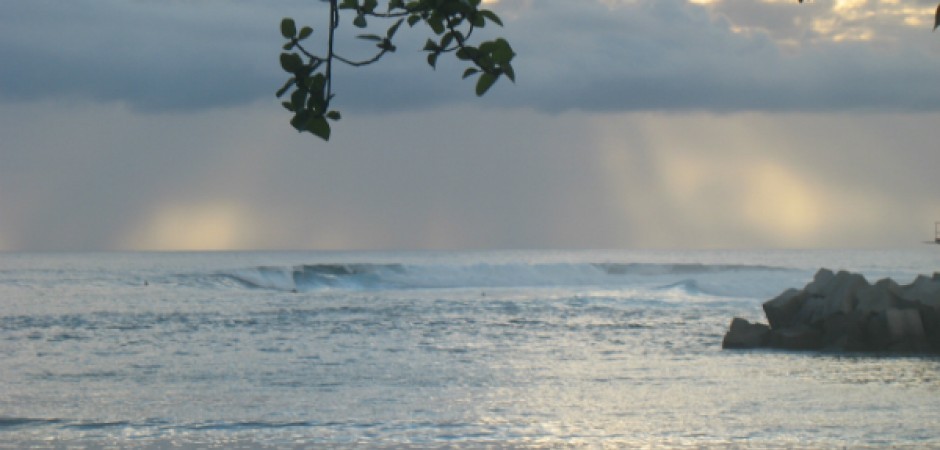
x=844, y=332
x=783, y=310
x=744, y=334
x=884, y=294
x=835, y=295
x=843, y=312
x=799, y=337
x=924, y=290
x=904, y=324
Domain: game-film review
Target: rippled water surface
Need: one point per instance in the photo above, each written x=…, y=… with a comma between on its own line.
x=437, y=350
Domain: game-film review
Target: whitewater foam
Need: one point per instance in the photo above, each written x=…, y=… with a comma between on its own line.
x=581, y=349
x=692, y=279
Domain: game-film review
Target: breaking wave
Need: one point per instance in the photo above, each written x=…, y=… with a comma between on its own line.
x=692, y=278
x=318, y=276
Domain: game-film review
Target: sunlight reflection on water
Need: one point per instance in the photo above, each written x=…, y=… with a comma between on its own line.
x=200, y=365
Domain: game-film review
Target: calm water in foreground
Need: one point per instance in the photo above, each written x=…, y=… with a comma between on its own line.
x=429, y=350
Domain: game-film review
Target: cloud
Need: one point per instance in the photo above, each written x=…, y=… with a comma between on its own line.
x=152, y=124
x=152, y=55
x=672, y=55
x=107, y=177
x=613, y=55
x=772, y=180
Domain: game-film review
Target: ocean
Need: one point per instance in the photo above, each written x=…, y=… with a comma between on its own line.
x=511, y=349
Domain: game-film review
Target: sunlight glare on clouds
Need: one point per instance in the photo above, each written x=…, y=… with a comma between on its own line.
x=209, y=226
x=841, y=21
x=702, y=180
x=761, y=196
x=756, y=195
x=848, y=6
x=777, y=199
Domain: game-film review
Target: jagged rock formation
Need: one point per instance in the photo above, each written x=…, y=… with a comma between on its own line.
x=843, y=312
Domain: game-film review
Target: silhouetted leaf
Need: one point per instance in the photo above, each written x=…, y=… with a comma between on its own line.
x=291, y=62
x=436, y=22
x=299, y=120
x=502, y=52
x=510, y=73
x=284, y=88
x=360, y=21
x=317, y=82
x=305, y=32
x=936, y=21
x=319, y=127
x=386, y=45
x=492, y=16
x=484, y=83
x=446, y=40
x=467, y=53
x=393, y=29
x=288, y=28
x=297, y=99
x=369, y=37
x=469, y=72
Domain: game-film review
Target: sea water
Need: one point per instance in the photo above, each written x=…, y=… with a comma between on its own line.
x=438, y=349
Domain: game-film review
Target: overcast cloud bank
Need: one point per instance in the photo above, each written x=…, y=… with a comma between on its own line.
x=145, y=124
x=725, y=56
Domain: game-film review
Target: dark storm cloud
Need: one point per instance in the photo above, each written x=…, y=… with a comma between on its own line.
x=668, y=55
x=590, y=55
x=153, y=55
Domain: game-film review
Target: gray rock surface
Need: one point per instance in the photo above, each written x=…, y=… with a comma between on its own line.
x=744, y=334
x=844, y=312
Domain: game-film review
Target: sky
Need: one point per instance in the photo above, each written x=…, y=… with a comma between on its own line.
x=633, y=124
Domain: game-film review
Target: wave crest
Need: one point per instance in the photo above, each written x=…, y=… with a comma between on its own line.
x=365, y=276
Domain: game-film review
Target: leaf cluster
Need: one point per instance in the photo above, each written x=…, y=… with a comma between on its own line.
x=309, y=98
x=451, y=22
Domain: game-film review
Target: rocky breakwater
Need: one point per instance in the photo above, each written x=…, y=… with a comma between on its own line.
x=844, y=312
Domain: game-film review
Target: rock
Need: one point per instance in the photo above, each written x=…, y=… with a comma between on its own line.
x=799, y=337
x=820, y=280
x=877, y=334
x=931, y=322
x=831, y=294
x=744, y=334
x=844, y=332
x=904, y=324
x=843, y=312
x=882, y=295
x=907, y=330
x=782, y=311
x=923, y=290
